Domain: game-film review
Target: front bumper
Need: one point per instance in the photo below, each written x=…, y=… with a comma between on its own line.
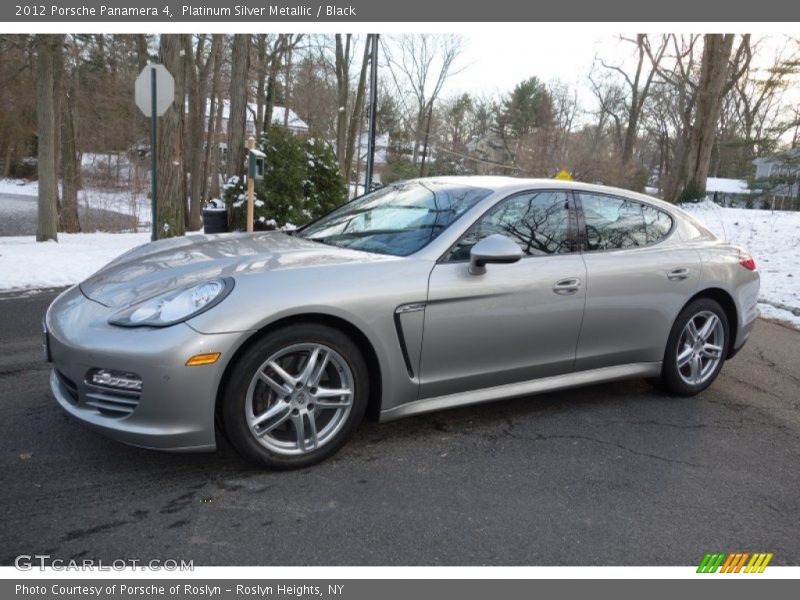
x=175, y=408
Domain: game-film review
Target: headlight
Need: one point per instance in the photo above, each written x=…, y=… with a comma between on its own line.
x=174, y=306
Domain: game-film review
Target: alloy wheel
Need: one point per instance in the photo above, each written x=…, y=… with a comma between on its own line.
x=700, y=348
x=299, y=398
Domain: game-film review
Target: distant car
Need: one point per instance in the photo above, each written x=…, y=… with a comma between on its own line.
x=423, y=295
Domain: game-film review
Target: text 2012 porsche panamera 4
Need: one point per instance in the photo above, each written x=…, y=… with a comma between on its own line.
x=423, y=295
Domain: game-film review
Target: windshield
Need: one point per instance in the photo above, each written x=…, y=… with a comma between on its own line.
x=398, y=219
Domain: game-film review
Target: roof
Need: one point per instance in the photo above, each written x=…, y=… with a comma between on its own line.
x=500, y=183
x=278, y=114
x=727, y=186
x=786, y=155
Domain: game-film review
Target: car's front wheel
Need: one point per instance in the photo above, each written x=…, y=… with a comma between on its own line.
x=295, y=396
x=696, y=348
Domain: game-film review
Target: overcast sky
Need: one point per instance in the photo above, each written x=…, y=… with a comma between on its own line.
x=495, y=61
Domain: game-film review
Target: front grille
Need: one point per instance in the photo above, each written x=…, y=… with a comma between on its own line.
x=69, y=387
x=111, y=402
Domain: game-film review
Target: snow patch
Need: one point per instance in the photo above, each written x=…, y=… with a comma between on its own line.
x=27, y=264
x=773, y=239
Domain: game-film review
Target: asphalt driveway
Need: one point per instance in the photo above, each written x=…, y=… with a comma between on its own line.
x=617, y=474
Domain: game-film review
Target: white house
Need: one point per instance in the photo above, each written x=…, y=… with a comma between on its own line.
x=784, y=169
x=295, y=124
x=727, y=192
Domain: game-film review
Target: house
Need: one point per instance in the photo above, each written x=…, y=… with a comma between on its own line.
x=279, y=116
x=779, y=175
x=490, y=149
x=728, y=192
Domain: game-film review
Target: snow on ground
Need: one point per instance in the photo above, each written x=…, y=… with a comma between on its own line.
x=26, y=264
x=125, y=202
x=19, y=187
x=773, y=239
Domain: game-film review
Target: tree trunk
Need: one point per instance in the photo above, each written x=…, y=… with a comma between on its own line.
x=237, y=122
x=716, y=79
x=211, y=159
x=357, y=116
x=69, y=219
x=8, y=160
x=214, y=157
x=142, y=53
x=171, y=160
x=342, y=99
x=47, y=47
x=261, y=79
x=199, y=82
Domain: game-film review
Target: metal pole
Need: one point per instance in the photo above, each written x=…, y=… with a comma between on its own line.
x=373, y=112
x=153, y=155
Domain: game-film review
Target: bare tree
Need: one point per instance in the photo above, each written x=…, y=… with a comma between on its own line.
x=240, y=61
x=719, y=72
x=200, y=64
x=69, y=221
x=171, y=157
x=420, y=64
x=638, y=83
x=49, y=49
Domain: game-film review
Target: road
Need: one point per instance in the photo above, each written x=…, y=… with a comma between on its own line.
x=18, y=217
x=617, y=474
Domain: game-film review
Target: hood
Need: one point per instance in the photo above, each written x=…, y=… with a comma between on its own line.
x=177, y=262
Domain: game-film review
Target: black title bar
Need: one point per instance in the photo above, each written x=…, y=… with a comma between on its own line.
x=354, y=11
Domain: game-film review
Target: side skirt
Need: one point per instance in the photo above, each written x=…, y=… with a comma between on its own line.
x=524, y=388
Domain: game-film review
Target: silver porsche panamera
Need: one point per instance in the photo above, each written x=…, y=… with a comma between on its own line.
x=423, y=295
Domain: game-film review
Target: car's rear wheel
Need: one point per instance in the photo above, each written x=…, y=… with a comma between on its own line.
x=295, y=396
x=696, y=348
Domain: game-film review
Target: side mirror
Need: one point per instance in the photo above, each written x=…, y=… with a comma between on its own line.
x=493, y=249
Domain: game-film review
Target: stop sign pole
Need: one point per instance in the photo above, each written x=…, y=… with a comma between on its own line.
x=154, y=93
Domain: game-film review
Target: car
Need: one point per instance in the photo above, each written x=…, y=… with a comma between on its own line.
x=423, y=295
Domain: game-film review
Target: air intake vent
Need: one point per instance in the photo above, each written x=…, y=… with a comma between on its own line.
x=111, y=402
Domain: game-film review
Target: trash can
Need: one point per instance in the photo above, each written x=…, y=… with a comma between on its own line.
x=215, y=218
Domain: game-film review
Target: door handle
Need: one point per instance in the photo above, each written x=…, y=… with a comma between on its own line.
x=565, y=287
x=678, y=274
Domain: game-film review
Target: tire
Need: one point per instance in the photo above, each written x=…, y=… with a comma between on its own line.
x=281, y=411
x=700, y=357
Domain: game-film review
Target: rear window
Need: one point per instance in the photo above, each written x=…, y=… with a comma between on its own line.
x=615, y=223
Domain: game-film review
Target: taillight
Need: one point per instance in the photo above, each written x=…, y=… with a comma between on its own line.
x=747, y=262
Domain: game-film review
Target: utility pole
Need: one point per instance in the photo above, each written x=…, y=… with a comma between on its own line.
x=373, y=111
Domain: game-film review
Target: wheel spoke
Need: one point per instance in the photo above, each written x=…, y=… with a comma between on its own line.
x=696, y=366
x=308, y=369
x=328, y=398
x=691, y=329
x=280, y=372
x=685, y=356
x=279, y=412
x=320, y=370
x=312, y=426
x=711, y=351
x=708, y=327
x=300, y=430
x=280, y=389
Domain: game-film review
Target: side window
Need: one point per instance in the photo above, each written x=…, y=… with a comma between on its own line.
x=657, y=224
x=537, y=221
x=612, y=222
